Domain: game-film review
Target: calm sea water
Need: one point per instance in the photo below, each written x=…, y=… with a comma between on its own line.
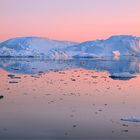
x=69, y=99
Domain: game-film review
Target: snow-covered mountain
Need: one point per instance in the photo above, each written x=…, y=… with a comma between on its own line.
x=113, y=46
x=33, y=46
x=43, y=47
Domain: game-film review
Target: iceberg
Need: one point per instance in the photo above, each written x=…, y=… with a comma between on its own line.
x=33, y=47
x=115, y=46
x=122, y=76
x=123, y=45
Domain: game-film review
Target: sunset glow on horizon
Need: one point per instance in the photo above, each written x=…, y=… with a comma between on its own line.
x=73, y=20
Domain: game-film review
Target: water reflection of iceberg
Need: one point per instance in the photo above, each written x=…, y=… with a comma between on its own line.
x=32, y=66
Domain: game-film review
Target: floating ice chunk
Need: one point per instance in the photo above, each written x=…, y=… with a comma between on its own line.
x=1, y=96
x=116, y=53
x=122, y=76
x=131, y=119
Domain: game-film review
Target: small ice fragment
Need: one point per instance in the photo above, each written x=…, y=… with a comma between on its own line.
x=116, y=53
x=1, y=96
x=11, y=75
x=131, y=120
x=72, y=79
x=94, y=76
x=13, y=82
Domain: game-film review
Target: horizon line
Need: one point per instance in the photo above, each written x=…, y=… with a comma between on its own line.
x=35, y=36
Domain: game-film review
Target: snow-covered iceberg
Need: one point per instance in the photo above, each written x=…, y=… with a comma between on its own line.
x=42, y=47
x=33, y=47
x=113, y=46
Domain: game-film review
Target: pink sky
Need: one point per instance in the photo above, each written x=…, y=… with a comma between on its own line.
x=76, y=20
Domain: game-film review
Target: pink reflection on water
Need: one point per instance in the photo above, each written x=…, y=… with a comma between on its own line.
x=73, y=103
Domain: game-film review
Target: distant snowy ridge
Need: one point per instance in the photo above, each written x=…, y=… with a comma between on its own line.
x=42, y=47
x=33, y=46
